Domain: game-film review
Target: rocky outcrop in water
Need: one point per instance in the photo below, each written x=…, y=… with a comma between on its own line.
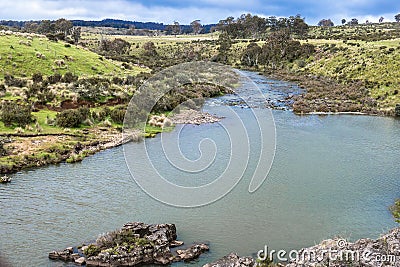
x=191, y=116
x=384, y=251
x=232, y=260
x=134, y=244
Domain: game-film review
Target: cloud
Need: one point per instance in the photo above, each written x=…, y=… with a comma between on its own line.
x=208, y=11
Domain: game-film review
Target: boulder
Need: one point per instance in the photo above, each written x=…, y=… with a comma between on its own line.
x=80, y=260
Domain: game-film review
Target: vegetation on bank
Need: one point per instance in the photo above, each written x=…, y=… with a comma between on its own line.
x=395, y=209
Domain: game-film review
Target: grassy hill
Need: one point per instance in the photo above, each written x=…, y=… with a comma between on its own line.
x=376, y=64
x=24, y=55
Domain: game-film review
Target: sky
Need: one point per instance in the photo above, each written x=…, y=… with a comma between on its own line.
x=207, y=11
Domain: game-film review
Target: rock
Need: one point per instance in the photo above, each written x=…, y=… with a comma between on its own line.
x=367, y=252
x=191, y=116
x=142, y=244
x=232, y=260
x=80, y=260
x=92, y=263
x=5, y=179
x=53, y=255
x=192, y=252
x=397, y=110
x=176, y=243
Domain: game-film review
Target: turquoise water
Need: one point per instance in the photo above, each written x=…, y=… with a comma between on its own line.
x=332, y=175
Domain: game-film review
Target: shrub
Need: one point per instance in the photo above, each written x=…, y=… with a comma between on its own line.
x=84, y=113
x=118, y=115
x=69, y=78
x=92, y=250
x=12, y=112
x=52, y=79
x=12, y=81
x=69, y=118
x=395, y=209
x=37, y=77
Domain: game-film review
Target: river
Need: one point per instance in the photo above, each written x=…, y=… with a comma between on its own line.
x=332, y=175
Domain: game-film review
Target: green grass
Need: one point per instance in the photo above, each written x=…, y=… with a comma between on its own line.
x=152, y=131
x=357, y=60
x=20, y=59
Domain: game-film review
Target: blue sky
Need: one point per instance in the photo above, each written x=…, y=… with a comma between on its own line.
x=208, y=11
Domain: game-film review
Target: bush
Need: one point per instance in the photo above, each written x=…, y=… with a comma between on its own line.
x=69, y=78
x=12, y=81
x=84, y=113
x=12, y=112
x=52, y=79
x=69, y=118
x=118, y=115
x=395, y=209
x=37, y=77
x=92, y=250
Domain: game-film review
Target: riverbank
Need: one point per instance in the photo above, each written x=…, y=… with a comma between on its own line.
x=327, y=96
x=36, y=150
x=29, y=151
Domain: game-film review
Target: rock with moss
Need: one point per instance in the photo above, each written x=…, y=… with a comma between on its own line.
x=134, y=244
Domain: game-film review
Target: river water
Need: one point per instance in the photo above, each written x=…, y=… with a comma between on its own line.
x=332, y=175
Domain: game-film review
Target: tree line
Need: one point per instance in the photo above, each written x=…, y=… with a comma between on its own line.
x=249, y=26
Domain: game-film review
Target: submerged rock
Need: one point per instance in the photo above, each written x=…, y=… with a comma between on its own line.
x=134, y=244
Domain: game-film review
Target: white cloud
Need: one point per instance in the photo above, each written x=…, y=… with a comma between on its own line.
x=121, y=9
x=208, y=11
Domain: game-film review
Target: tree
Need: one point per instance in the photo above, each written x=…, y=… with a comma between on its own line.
x=251, y=55
x=76, y=34
x=225, y=44
x=196, y=26
x=149, y=49
x=353, y=22
x=397, y=18
x=46, y=27
x=174, y=28
x=63, y=26
x=326, y=23
x=343, y=21
x=381, y=19
x=31, y=27
x=117, y=46
x=298, y=26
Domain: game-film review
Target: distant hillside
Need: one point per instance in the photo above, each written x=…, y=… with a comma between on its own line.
x=25, y=54
x=113, y=23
